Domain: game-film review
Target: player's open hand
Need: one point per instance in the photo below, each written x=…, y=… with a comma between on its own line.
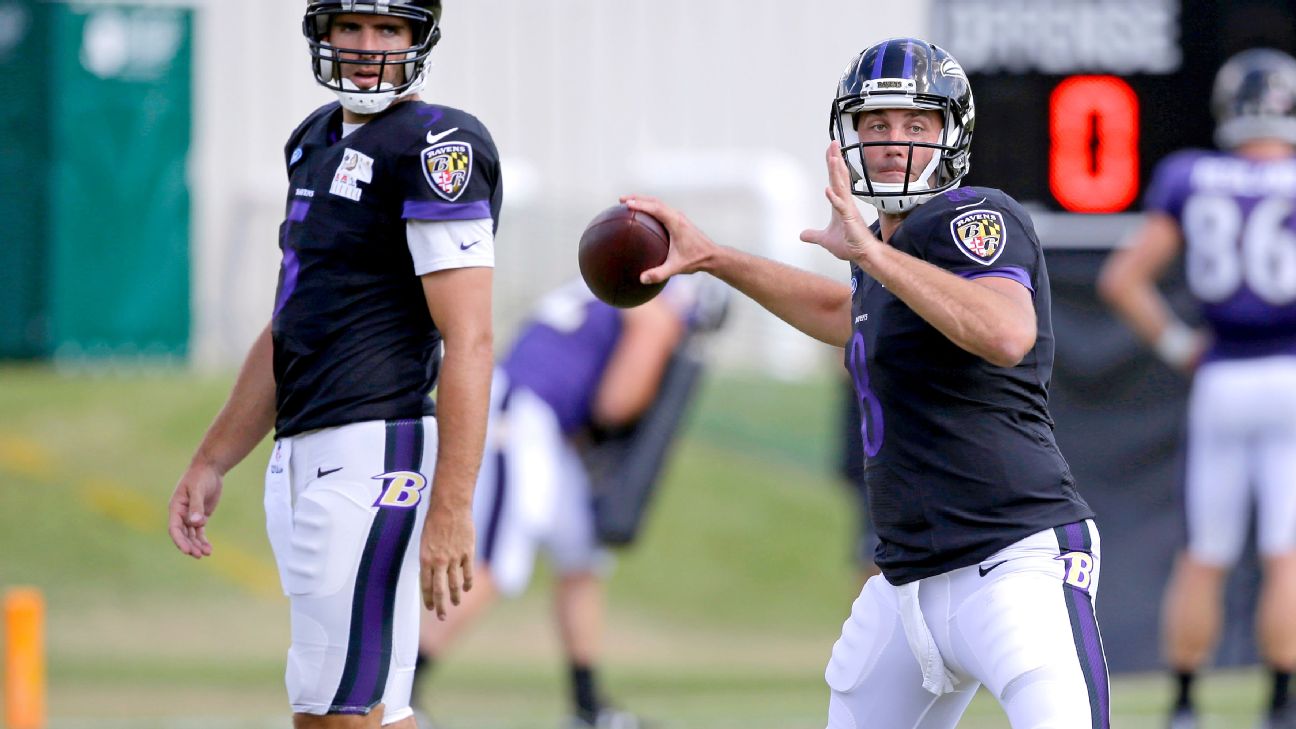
x=847, y=236
x=446, y=558
x=690, y=248
x=193, y=501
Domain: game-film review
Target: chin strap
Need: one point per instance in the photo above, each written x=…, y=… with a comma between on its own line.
x=349, y=85
x=376, y=100
x=898, y=204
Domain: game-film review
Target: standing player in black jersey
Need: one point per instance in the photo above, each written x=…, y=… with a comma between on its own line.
x=388, y=250
x=989, y=557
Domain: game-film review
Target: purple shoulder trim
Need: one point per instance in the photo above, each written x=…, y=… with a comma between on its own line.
x=437, y=210
x=1016, y=273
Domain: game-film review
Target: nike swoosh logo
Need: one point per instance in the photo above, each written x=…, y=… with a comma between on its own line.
x=986, y=570
x=321, y=473
x=466, y=246
x=432, y=138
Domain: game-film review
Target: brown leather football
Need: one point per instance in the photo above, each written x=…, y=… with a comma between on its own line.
x=617, y=246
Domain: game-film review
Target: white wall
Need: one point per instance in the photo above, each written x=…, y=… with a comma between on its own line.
x=586, y=99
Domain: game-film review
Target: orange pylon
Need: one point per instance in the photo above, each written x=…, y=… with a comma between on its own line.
x=24, y=659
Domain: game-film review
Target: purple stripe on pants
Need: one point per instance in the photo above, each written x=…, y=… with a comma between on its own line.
x=1085, y=627
x=1092, y=647
x=379, y=598
x=1075, y=537
x=372, y=654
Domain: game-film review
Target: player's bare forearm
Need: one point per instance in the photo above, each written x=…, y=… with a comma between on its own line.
x=993, y=318
x=814, y=304
x=463, y=398
x=459, y=301
x=448, y=542
x=1141, y=307
x=632, y=378
x=248, y=413
x=1129, y=277
x=245, y=419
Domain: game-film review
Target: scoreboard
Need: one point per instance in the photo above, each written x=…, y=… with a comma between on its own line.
x=1078, y=100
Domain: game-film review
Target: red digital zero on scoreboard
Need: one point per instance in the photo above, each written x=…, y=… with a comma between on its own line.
x=1093, y=154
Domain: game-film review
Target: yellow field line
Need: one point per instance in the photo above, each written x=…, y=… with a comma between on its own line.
x=127, y=508
x=25, y=457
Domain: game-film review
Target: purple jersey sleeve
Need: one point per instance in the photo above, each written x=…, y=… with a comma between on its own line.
x=452, y=173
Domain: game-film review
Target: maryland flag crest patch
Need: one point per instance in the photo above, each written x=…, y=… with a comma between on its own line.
x=448, y=167
x=980, y=234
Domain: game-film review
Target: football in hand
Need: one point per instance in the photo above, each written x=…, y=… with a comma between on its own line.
x=617, y=246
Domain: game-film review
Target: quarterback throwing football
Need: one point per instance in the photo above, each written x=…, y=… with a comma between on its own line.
x=989, y=557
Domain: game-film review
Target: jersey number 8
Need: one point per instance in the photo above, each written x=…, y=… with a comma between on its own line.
x=869, y=407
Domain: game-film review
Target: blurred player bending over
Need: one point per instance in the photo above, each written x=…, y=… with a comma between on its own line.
x=989, y=558
x=387, y=255
x=1232, y=214
x=578, y=365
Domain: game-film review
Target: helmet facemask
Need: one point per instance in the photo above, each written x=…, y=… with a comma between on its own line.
x=329, y=62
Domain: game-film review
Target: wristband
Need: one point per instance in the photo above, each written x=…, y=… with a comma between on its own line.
x=1177, y=345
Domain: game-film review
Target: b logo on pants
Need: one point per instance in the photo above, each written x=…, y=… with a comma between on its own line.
x=1079, y=569
x=403, y=489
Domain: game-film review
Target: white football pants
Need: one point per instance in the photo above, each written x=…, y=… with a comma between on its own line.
x=344, y=511
x=533, y=494
x=1025, y=629
x=1242, y=452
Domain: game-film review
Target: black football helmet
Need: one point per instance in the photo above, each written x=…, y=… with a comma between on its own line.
x=1255, y=98
x=905, y=73
x=424, y=17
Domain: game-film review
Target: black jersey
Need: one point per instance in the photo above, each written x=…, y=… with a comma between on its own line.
x=961, y=456
x=353, y=339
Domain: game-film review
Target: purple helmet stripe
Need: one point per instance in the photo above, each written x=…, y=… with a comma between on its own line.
x=908, y=62
x=877, y=64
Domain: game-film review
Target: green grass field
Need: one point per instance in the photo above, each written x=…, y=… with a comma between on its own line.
x=723, y=616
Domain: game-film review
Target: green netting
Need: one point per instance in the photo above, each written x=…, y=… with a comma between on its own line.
x=24, y=159
x=119, y=202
